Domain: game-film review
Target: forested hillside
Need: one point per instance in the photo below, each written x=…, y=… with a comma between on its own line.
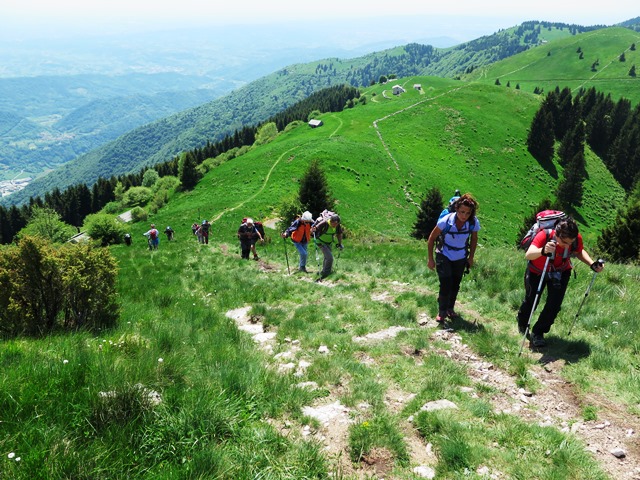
x=48, y=121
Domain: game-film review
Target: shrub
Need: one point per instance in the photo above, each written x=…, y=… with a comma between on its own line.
x=150, y=178
x=89, y=286
x=104, y=228
x=137, y=196
x=168, y=182
x=43, y=288
x=139, y=214
x=46, y=223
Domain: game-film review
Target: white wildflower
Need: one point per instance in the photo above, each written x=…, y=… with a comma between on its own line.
x=11, y=455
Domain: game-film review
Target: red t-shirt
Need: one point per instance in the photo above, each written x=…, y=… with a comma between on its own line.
x=558, y=263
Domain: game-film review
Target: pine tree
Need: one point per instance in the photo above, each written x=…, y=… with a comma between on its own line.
x=189, y=175
x=571, y=188
x=572, y=144
x=620, y=241
x=428, y=214
x=314, y=192
x=541, y=138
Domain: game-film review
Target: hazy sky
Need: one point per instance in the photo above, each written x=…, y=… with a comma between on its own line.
x=50, y=15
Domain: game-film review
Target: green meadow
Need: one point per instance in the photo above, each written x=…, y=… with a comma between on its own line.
x=382, y=157
x=178, y=390
x=559, y=64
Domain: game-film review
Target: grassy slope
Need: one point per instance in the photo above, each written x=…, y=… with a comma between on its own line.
x=535, y=68
x=453, y=135
x=218, y=391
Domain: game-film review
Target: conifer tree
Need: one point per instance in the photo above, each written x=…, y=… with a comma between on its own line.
x=620, y=241
x=572, y=144
x=570, y=190
x=541, y=138
x=428, y=214
x=314, y=192
x=189, y=176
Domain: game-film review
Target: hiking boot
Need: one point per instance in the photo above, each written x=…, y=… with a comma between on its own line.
x=537, y=340
x=303, y=270
x=452, y=314
x=255, y=257
x=441, y=317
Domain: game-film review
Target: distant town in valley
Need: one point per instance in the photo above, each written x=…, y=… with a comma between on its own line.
x=7, y=187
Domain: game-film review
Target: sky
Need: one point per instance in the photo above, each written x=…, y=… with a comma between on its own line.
x=24, y=17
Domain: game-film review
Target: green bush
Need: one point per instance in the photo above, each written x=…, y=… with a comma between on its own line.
x=46, y=223
x=104, y=228
x=139, y=214
x=43, y=288
x=137, y=196
x=150, y=178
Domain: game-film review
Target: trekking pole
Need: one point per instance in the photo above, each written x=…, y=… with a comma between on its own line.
x=535, y=303
x=586, y=294
x=284, y=242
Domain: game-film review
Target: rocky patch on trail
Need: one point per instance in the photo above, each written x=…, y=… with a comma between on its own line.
x=613, y=439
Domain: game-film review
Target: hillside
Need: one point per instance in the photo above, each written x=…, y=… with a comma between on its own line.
x=254, y=103
x=233, y=369
x=448, y=134
x=572, y=62
x=71, y=115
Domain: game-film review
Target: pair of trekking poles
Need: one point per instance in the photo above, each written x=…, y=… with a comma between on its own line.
x=537, y=297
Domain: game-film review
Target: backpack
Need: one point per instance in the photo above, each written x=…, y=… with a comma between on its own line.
x=545, y=220
x=325, y=215
x=300, y=233
x=450, y=208
x=258, y=225
x=153, y=234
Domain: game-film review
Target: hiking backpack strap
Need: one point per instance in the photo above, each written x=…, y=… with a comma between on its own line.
x=441, y=240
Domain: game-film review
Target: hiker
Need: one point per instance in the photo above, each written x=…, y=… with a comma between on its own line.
x=204, y=231
x=153, y=237
x=169, y=233
x=455, y=238
x=558, y=245
x=127, y=239
x=324, y=231
x=450, y=206
x=248, y=235
x=197, y=231
x=300, y=233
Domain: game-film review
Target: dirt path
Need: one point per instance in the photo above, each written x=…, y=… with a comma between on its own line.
x=556, y=402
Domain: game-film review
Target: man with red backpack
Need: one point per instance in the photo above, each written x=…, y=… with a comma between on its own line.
x=153, y=237
x=300, y=233
x=549, y=256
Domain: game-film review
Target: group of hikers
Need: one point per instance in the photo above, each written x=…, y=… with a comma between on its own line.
x=451, y=248
x=201, y=231
x=549, y=251
x=325, y=230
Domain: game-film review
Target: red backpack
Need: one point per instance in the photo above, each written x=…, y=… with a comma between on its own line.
x=545, y=220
